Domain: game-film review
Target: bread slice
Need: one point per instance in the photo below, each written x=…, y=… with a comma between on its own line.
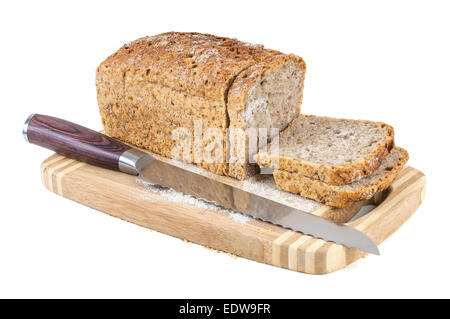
x=335, y=151
x=267, y=95
x=343, y=195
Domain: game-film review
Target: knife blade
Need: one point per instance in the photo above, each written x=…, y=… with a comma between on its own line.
x=83, y=144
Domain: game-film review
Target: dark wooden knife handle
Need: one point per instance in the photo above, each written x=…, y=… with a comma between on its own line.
x=74, y=141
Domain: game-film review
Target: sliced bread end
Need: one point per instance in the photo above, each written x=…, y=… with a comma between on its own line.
x=343, y=195
x=320, y=147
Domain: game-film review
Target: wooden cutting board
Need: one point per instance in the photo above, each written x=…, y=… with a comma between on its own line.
x=119, y=195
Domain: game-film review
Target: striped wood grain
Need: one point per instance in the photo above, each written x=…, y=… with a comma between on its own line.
x=119, y=195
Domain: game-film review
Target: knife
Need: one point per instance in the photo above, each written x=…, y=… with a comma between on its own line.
x=86, y=145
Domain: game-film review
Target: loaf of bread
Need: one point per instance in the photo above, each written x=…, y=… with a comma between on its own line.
x=334, y=151
x=343, y=195
x=157, y=91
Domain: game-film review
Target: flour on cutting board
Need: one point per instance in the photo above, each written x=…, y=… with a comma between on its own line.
x=262, y=185
x=172, y=195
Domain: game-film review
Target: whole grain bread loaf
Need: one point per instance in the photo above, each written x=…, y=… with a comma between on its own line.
x=343, y=195
x=335, y=151
x=176, y=94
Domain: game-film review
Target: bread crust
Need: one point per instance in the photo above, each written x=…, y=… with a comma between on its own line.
x=334, y=195
x=333, y=175
x=194, y=63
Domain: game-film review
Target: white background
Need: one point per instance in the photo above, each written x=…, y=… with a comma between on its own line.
x=378, y=60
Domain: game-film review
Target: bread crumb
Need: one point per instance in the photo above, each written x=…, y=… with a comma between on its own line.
x=213, y=249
